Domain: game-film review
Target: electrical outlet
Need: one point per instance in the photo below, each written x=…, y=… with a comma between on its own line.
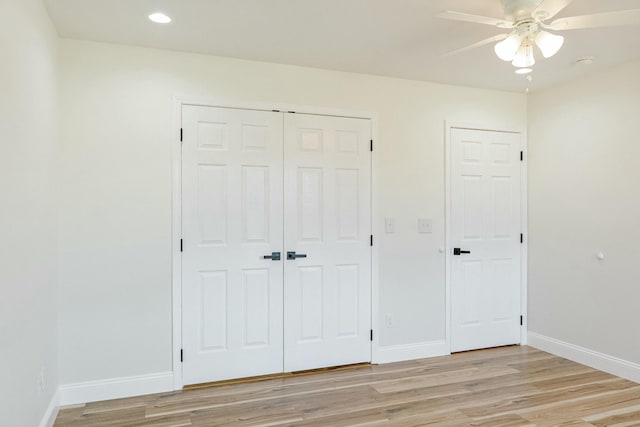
x=389, y=225
x=388, y=320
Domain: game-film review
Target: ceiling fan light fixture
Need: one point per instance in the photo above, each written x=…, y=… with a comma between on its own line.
x=548, y=43
x=524, y=57
x=507, y=48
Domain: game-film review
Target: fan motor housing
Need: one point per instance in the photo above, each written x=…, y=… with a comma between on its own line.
x=517, y=10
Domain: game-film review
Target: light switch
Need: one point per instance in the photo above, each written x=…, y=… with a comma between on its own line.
x=425, y=225
x=390, y=225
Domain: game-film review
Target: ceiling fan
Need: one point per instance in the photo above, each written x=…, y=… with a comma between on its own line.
x=529, y=20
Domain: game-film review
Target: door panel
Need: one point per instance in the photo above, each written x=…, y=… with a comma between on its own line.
x=327, y=209
x=232, y=217
x=485, y=213
x=246, y=195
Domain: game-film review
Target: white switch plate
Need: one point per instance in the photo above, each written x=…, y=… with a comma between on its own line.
x=425, y=225
x=389, y=225
x=388, y=320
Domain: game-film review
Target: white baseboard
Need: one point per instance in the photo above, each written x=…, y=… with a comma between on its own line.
x=422, y=350
x=115, y=388
x=603, y=362
x=49, y=417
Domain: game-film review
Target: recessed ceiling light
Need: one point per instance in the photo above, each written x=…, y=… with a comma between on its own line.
x=159, y=18
x=523, y=70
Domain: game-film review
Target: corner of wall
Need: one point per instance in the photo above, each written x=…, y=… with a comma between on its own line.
x=51, y=413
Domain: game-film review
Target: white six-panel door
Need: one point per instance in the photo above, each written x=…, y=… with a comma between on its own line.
x=485, y=221
x=232, y=217
x=327, y=219
x=250, y=188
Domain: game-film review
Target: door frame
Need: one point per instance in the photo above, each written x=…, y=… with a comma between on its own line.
x=176, y=207
x=449, y=125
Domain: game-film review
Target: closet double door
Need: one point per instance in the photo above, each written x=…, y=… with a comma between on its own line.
x=276, y=261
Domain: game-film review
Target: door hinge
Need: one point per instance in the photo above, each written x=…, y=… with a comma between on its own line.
x=276, y=111
x=371, y=242
x=180, y=134
x=371, y=145
x=291, y=112
x=521, y=238
x=180, y=245
x=522, y=156
x=371, y=334
x=521, y=320
x=181, y=355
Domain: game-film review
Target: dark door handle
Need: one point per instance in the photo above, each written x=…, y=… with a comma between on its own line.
x=293, y=255
x=275, y=256
x=457, y=251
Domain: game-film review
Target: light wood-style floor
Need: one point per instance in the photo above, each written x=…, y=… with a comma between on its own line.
x=502, y=387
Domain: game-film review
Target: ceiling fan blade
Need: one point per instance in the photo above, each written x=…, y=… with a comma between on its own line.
x=607, y=19
x=493, y=39
x=476, y=19
x=549, y=8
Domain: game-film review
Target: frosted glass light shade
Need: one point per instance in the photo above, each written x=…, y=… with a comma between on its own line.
x=548, y=43
x=159, y=18
x=507, y=48
x=524, y=57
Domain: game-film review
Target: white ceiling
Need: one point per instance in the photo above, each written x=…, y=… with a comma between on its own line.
x=398, y=38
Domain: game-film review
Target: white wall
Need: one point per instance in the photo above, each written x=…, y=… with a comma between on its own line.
x=584, y=199
x=28, y=138
x=115, y=268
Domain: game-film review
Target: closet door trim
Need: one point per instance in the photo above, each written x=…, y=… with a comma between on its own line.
x=174, y=139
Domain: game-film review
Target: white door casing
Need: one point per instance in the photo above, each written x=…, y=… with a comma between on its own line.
x=486, y=221
x=232, y=217
x=327, y=209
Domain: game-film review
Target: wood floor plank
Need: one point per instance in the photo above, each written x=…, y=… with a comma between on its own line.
x=547, y=399
x=354, y=418
x=501, y=387
x=613, y=413
x=420, y=402
x=469, y=374
x=441, y=419
x=580, y=378
x=120, y=418
x=508, y=420
x=597, y=406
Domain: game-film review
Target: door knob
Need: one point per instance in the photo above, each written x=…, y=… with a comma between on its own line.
x=275, y=256
x=458, y=251
x=294, y=255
